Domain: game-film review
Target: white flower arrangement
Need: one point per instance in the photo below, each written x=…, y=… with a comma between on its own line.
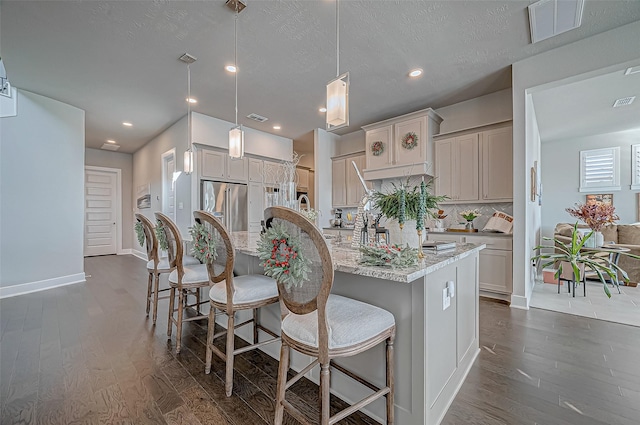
x=470, y=215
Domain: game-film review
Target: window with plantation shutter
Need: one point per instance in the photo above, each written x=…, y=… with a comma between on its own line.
x=635, y=167
x=600, y=169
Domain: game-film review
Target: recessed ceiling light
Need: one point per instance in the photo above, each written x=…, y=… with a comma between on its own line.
x=322, y=109
x=191, y=100
x=415, y=72
x=127, y=124
x=276, y=127
x=111, y=141
x=230, y=68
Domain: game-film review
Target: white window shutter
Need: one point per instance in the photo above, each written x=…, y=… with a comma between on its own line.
x=600, y=169
x=635, y=167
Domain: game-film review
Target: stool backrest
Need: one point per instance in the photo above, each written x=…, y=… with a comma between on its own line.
x=175, y=251
x=312, y=293
x=150, y=238
x=222, y=267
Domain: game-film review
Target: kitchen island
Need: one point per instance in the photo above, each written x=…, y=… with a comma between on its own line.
x=435, y=305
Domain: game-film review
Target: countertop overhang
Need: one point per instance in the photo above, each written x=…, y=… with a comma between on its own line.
x=345, y=258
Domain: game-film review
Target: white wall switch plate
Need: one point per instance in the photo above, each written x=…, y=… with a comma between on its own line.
x=451, y=286
x=180, y=205
x=446, y=299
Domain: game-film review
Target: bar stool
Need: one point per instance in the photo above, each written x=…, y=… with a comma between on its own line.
x=326, y=326
x=231, y=294
x=185, y=279
x=156, y=265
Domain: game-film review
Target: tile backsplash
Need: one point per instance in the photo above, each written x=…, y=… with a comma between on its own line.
x=453, y=213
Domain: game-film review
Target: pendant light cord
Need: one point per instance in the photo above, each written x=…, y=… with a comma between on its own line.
x=188, y=106
x=337, y=38
x=235, y=52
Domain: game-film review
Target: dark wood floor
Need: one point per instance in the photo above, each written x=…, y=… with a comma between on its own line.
x=86, y=354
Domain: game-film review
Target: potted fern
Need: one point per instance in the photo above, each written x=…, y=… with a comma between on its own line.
x=580, y=260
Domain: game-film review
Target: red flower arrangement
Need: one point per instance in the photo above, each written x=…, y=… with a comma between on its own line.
x=596, y=216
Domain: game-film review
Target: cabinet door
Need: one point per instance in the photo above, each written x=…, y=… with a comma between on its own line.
x=213, y=164
x=416, y=155
x=237, y=169
x=338, y=187
x=255, y=170
x=497, y=164
x=256, y=198
x=496, y=271
x=466, y=169
x=385, y=136
x=354, y=188
x=270, y=173
x=444, y=168
x=302, y=179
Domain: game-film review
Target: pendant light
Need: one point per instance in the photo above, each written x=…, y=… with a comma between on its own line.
x=188, y=154
x=236, y=134
x=338, y=89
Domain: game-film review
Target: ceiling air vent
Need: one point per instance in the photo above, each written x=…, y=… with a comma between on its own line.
x=110, y=147
x=548, y=18
x=625, y=101
x=257, y=117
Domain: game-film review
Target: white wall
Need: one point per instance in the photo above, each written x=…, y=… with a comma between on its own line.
x=561, y=177
x=483, y=110
x=324, y=149
x=351, y=143
x=42, y=191
x=585, y=58
x=123, y=162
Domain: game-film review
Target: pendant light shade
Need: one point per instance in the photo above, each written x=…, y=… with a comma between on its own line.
x=338, y=89
x=188, y=154
x=236, y=142
x=338, y=102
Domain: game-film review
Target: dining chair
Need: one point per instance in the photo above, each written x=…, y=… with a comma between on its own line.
x=326, y=326
x=230, y=294
x=156, y=265
x=184, y=279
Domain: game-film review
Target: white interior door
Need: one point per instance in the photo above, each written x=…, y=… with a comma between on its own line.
x=101, y=214
x=168, y=186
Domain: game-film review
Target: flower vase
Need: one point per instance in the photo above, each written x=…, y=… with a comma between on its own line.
x=287, y=195
x=469, y=225
x=598, y=238
x=405, y=236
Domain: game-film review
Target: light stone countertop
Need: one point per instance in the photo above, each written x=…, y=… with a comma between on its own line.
x=345, y=258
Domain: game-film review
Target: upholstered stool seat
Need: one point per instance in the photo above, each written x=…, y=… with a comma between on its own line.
x=350, y=323
x=196, y=273
x=163, y=263
x=248, y=289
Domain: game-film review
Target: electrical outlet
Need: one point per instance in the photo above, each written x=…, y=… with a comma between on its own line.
x=446, y=299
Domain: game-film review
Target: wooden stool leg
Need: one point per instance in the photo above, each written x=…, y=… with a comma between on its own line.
x=390, y=383
x=172, y=299
x=155, y=297
x=210, y=332
x=181, y=300
x=198, y=301
x=283, y=368
x=228, y=385
x=255, y=325
x=325, y=381
x=149, y=284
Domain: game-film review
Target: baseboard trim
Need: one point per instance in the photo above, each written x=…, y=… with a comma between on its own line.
x=518, y=301
x=127, y=251
x=41, y=285
x=141, y=255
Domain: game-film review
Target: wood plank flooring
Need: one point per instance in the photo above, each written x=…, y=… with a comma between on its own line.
x=86, y=354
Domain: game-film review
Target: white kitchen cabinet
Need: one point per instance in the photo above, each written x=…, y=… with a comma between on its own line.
x=497, y=164
x=475, y=167
x=456, y=168
x=272, y=172
x=256, y=206
x=302, y=179
x=220, y=166
x=396, y=160
x=354, y=188
x=338, y=186
x=496, y=260
x=255, y=170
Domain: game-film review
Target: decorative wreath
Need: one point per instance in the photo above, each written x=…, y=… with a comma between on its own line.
x=410, y=140
x=282, y=257
x=377, y=148
x=162, y=236
x=204, y=243
x=384, y=255
x=140, y=233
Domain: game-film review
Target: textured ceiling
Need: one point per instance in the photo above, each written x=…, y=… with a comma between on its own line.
x=118, y=60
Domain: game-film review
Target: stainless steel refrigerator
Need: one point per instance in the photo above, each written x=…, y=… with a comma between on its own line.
x=227, y=201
